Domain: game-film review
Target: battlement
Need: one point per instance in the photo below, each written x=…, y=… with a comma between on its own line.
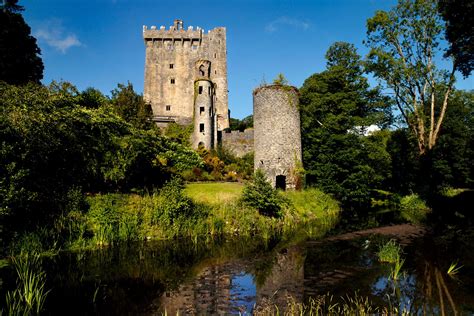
x=176, y=32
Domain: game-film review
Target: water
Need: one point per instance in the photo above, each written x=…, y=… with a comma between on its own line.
x=232, y=277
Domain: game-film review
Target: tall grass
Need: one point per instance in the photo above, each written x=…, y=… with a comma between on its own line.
x=391, y=252
x=197, y=211
x=29, y=296
x=413, y=209
x=326, y=305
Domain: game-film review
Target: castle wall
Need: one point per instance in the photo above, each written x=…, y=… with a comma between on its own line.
x=171, y=55
x=277, y=134
x=239, y=143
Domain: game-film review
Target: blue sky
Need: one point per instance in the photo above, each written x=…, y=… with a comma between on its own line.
x=98, y=43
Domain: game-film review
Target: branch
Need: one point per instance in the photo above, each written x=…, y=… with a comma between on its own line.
x=445, y=105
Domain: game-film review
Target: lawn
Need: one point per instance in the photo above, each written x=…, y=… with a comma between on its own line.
x=214, y=193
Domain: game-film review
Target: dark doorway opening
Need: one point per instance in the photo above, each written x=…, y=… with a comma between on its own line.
x=280, y=182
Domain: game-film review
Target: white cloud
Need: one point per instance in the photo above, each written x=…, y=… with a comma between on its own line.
x=286, y=21
x=53, y=33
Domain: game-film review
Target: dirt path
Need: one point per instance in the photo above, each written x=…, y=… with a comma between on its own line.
x=404, y=233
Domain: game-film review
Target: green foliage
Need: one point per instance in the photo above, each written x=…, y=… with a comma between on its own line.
x=389, y=252
x=260, y=195
x=280, y=80
x=179, y=133
x=459, y=25
x=334, y=104
x=404, y=47
x=131, y=107
x=241, y=125
x=29, y=296
x=92, y=98
x=174, y=204
x=51, y=146
x=453, y=269
x=413, y=209
x=20, y=62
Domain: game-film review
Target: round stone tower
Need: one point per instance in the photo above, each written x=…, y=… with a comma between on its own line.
x=277, y=135
x=203, y=114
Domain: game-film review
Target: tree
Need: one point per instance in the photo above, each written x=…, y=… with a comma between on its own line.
x=260, y=195
x=241, y=125
x=20, y=62
x=336, y=157
x=459, y=18
x=131, y=106
x=405, y=43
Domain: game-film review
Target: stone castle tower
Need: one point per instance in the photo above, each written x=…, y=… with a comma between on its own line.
x=186, y=79
x=277, y=135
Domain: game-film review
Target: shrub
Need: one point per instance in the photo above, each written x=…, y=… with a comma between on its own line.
x=173, y=203
x=260, y=195
x=413, y=208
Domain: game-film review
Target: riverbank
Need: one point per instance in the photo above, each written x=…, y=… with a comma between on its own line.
x=196, y=211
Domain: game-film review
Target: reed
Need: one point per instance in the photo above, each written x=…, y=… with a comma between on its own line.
x=30, y=294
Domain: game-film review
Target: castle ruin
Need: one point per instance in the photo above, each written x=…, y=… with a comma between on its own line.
x=186, y=79
x=277, y=135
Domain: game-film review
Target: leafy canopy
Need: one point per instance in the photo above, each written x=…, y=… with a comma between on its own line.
x=20, y=62
x=404, y=46
x=337, y=106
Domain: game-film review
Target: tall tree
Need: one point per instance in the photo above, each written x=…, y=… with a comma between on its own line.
x=336, y=107
x=459, y=18
x=405, y=43
x=131, y=106
x=19, y=54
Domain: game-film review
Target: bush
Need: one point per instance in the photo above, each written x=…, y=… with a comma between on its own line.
x=173, y=203
x=413, y=208
x=260, y=195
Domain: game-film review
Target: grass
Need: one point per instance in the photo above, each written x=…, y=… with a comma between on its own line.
x=196, y=211
x=413, y=209
x=454, y=269
x=452, y=192
x=214, y=193
x=326, y=305
x=29, y=296
x=312, y=203
x=389, y=252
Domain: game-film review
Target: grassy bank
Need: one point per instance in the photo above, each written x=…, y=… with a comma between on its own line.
x=196, y=211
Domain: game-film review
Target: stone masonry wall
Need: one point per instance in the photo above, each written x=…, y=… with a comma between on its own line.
x=239, y=143
x=277, y=134
x=171, y=55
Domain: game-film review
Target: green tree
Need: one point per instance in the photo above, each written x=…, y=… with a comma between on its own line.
x=404, y=45
x=336, y=107
x=459, y=18
x=241, y=125
x=260, y=195
x=19, y=54
x=92, y=98
x=52, y=150
x=131, y=106
x=452, y=160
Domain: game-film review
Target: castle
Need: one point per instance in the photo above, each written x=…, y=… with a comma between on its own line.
x=186, y=79
x=186, y=83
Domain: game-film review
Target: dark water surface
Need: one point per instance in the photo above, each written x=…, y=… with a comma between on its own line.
x=232, y=277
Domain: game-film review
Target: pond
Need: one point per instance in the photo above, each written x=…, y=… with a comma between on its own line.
x=239, y=276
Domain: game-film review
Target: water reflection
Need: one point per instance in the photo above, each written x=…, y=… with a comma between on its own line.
x=235, y=277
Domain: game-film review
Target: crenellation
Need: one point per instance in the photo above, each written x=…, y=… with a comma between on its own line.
x=182, y=48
